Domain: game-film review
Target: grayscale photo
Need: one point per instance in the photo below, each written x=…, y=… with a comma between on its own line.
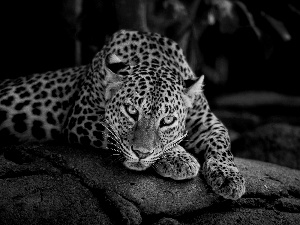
x=150, y=112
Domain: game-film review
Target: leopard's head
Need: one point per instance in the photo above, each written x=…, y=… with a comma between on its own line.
x=146, y=109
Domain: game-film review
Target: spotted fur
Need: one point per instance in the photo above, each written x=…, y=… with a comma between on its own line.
x=131, y=99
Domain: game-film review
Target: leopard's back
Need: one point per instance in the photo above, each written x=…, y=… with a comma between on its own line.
x=34, y=108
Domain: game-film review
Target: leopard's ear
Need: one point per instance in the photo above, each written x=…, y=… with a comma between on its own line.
x=113, y=80
x=192, y=92
x=114, y=63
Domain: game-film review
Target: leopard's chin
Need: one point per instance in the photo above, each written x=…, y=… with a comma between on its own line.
x=139, y=165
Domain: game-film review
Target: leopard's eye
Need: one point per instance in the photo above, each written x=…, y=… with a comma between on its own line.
x=132, y=111
x=167, y=121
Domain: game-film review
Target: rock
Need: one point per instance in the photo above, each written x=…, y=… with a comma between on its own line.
x=167, y=221
x=122, y=210
x=275, y=143
x=36, y=199
x=152, y=193
x=67, y=185
x=272, y=197
x=230, y=215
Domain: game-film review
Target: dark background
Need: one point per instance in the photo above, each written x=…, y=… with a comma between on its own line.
x=38, y=36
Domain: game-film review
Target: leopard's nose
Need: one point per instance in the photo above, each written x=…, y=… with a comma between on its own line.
x=140, y=154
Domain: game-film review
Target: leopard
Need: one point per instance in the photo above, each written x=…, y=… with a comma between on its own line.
x=138, y=98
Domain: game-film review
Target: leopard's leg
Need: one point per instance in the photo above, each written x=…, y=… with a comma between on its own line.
x=177, y=164
x=219, y=168
x=208, y=134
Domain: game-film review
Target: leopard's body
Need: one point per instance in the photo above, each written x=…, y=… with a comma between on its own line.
x=131, y=99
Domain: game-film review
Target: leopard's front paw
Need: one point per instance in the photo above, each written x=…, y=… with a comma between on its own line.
x=177, y=164
x=225, y=180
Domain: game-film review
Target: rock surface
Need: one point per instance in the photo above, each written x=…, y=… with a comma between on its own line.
x=275, y=143
x=66, y=185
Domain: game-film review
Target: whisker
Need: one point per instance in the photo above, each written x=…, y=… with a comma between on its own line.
x=119, y=148
x=108, y=136
x=110, y=129
x=113, y=135
x=114, y=149
x=125, y=153
x=174, y=142
x=114, y=142
x=113, y=145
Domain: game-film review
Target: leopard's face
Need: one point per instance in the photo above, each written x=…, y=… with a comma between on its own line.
x=146, y=116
